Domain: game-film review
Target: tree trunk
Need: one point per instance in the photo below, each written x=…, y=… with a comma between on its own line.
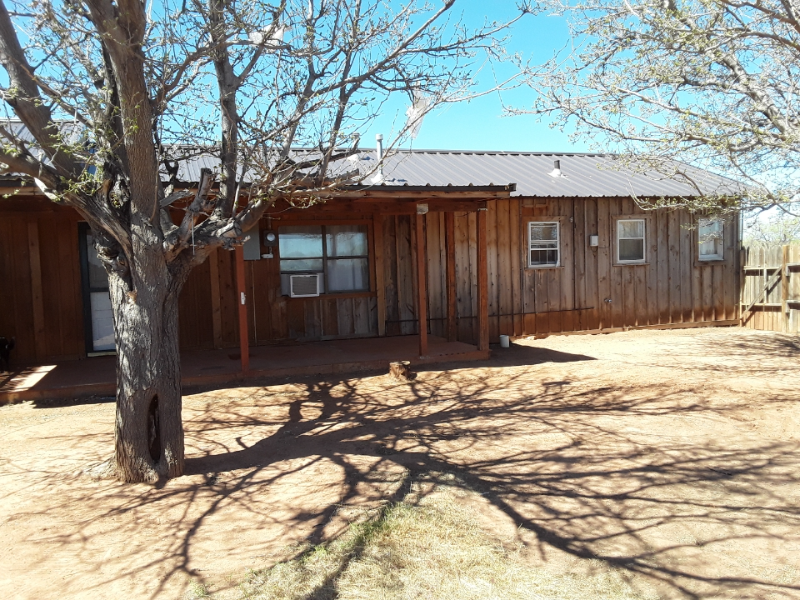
x=149, y=430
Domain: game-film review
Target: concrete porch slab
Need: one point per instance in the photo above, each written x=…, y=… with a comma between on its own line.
x=202, y=368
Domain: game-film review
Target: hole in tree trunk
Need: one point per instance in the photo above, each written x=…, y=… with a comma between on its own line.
x=154, y=430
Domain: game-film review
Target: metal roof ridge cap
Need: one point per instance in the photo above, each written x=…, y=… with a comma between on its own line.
x=427, y=186
x=499, y=152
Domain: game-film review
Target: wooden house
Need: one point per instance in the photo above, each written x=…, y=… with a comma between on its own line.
x=463, y=246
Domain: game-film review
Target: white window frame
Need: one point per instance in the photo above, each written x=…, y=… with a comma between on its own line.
x=710, y=257
x=540, y=244
x=637, y=261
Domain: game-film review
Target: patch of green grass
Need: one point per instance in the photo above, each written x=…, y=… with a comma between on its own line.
x=198, y=589
x=424, y=547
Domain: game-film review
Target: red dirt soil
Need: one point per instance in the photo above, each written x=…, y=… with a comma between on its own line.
x=670, y=455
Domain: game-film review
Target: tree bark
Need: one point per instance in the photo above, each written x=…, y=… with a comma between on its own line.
x=228, y=84
x=148, y=432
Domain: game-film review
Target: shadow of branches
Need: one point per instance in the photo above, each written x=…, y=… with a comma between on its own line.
x=586, y=455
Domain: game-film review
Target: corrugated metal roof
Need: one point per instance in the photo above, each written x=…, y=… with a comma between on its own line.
x=71, y=129
x=583, y=175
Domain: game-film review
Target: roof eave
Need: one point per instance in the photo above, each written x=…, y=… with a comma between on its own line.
x=418, y=193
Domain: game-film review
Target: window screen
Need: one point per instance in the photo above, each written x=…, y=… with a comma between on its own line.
x=709, y=238
x=301, y=249
x=347, y=257
x=630, y=240
x=543, y=243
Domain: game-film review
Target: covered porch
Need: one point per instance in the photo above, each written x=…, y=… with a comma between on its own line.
x=200, y=368
x=410, y=237
x=423, y=301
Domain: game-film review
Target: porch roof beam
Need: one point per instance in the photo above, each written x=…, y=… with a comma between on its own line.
x=419, y=193
x=390, y=207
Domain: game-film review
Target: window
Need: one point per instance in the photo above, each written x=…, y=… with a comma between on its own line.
x=340, y=253
x=709, y=239
x=630, y=241
x=543, y=244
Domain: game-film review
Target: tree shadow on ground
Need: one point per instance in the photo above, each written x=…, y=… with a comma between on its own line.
x=594, y=492
x=616, y=473
x=515, y=355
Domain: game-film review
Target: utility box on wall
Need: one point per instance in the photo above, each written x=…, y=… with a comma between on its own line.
x=252, y=247
x=269, y=239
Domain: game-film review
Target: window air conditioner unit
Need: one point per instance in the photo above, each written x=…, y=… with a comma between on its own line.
x=304, y=286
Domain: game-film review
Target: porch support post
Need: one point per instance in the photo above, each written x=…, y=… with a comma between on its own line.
x=422, y=288
x=380, y=285
x=483, y=281
x=450, y=260
x=244, y=345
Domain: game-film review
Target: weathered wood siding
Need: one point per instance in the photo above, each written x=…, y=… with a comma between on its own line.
x=40, y=282
x=194, y=310
x=41, y=296
x=771, y=288
x=41, y=299
x=399, y=279
x=672, y=287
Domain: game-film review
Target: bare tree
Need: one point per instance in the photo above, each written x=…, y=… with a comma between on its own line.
x=709, y=82
x=115, y=94
x=772, y=229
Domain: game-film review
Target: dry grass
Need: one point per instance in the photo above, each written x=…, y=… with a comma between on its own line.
x=426, y=546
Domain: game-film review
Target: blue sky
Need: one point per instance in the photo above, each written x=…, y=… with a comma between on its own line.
x=479, y=124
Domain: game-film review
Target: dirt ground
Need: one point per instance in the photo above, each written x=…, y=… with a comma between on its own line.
x=670, y=456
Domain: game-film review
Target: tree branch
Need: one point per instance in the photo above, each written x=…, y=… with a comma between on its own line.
x=23, y=96
x=177, y=240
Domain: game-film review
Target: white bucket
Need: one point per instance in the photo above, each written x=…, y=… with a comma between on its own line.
x=504, y=341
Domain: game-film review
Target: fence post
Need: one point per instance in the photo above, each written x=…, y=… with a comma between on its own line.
x=785, y=289
x=743, y=261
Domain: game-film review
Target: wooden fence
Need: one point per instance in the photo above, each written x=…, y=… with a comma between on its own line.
x=770, y=297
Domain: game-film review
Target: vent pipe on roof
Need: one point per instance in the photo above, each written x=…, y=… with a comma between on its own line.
x=379, y=150
x=556, y=172
x=377, y=178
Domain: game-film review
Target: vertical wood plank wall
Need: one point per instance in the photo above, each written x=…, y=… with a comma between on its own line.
x=398, y=274
x=40, y=284
x=41, y=299
x=673, y=288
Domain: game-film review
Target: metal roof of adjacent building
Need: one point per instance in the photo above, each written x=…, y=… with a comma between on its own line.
x=534, y=173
